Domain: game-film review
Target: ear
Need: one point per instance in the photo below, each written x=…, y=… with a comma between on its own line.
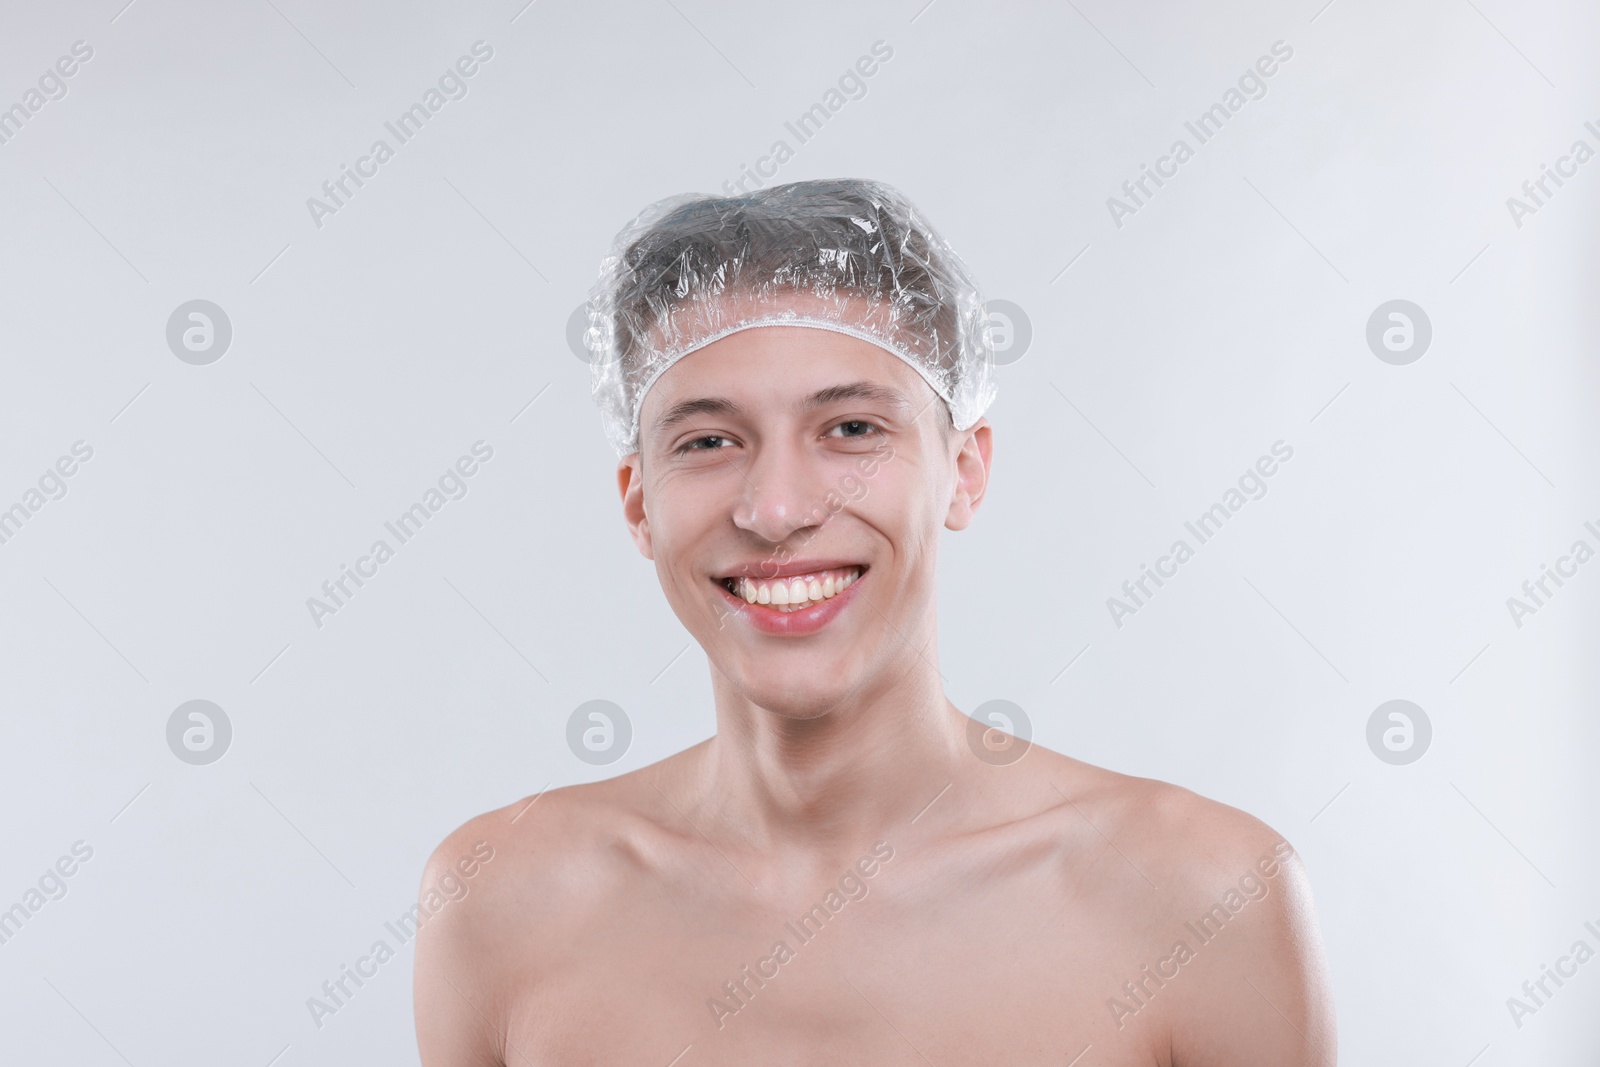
x=630, y=483
x=972, y=475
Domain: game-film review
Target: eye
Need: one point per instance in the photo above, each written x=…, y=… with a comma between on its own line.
x=699, y=444
x=856, y=428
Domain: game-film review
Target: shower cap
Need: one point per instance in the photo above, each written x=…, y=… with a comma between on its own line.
x=849, y=255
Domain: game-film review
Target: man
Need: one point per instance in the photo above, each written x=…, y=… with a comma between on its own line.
x=850, y=871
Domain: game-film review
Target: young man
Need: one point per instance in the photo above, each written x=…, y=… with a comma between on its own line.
x=851, y=871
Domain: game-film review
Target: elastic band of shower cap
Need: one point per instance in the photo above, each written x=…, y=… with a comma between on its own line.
x=789, y=318
x=848, y=255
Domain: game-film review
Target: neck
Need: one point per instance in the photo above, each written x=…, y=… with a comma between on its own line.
x=839, y=781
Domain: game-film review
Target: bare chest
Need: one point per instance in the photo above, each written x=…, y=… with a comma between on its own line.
x=999, y=971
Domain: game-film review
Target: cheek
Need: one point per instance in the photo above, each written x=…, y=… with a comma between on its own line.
x=669, y=505
x=906, y=506
x=694, y=600
x=682, y=515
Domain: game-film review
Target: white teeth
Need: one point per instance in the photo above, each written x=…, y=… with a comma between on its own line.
x=791, y=594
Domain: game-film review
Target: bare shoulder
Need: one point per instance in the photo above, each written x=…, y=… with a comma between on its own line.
x=506, y=901
x=1178, y=838
x=1228, y=903
x=563, y=847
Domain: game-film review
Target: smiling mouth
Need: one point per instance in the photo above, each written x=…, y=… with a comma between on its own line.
x=794, y=593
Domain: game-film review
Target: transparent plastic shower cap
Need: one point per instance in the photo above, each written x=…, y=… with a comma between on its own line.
x=848, y=255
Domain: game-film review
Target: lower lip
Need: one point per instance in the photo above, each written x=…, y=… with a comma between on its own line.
x=770, y=620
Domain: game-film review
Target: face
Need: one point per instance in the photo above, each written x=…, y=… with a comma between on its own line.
x=790, y=486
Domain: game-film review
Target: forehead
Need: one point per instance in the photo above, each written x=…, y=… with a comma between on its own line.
x=765, y=368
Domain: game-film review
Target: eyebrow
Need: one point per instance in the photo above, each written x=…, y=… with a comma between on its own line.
x=871, y=392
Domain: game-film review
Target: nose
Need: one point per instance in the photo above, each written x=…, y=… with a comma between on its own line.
x=782, y=493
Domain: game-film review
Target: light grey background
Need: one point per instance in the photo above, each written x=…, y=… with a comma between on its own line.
x=430, y=312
